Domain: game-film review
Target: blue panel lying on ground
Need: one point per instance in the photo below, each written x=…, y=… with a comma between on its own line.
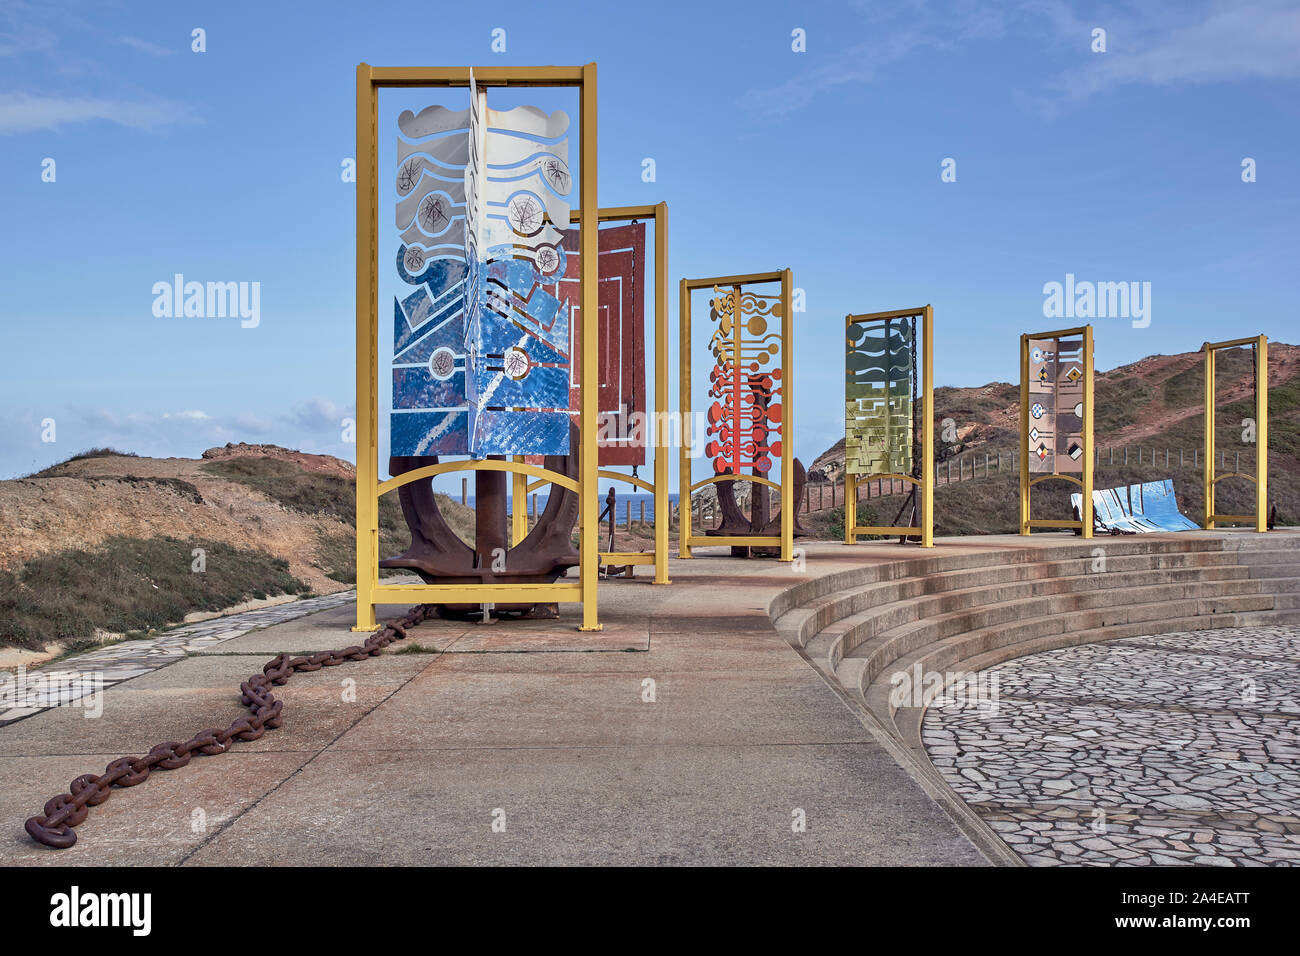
x=1154, y=500
x=1136, y=509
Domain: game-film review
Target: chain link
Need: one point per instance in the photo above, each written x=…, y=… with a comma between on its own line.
x=54, y=826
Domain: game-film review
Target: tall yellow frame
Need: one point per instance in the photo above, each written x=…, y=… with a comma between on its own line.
x=369, y=591
x=658, y=214
x=1260, y=478
x=1089, y=457
x=852, y=531
x=785, y=540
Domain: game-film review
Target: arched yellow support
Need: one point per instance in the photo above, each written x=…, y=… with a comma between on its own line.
x=757, y=479
x=445, y=467
x=1235, y=474
x=1070, y=478
x=617, y=476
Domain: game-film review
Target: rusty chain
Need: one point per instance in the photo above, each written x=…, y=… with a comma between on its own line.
x=54, y=827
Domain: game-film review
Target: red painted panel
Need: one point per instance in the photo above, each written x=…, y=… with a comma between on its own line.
x=622, y=360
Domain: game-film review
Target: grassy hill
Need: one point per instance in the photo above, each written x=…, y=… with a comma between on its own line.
x=105, y=541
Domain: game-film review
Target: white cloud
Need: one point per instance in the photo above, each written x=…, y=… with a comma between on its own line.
x=1217, y=43
x=25, y=112
x=193, y=414
x=313, y=424
x=1211, y=41
x=144, y=46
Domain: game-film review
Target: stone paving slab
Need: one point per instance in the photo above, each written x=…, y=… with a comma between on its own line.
x=1147, y=750
x=67, y=682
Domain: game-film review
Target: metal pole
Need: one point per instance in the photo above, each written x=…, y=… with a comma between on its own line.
x=588, y=483
x=1261, y=434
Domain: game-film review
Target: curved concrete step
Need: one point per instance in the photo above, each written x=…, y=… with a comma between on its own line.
x=843, y=637
x=1057, y=613
x=799, y=624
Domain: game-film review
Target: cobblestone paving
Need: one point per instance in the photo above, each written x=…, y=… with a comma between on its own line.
x=73, y=679
x=1168, y=749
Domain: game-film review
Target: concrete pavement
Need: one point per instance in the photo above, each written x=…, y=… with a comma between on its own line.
x=516, y=742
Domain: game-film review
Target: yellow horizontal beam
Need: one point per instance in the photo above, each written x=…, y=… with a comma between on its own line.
x=444, y=467
x=1248, y=518
x=616, y=213
x=627, y=557
x=717, y=478
x=1056, y=524
x=1071, y=478
x=888, y=530
x=391, y=76
x=476, y=593
x=761, y=541
x=1234, y=343
x=883, y=316
x=733, y=280
x=1234, y=474
x=1063, y=333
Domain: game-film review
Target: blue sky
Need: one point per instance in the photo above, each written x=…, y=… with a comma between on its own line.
x=225, y=166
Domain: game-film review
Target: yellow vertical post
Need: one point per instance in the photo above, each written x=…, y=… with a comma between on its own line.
x=662, y=507
x=850, y=507
x=1209, y=437
x=1089, y=458
x=687, y=439
x=518, y=504
x=367, y=329
x=1024, y=434
x=787, y=415
x=850, y=481
x=927, y=432
x=589, y=240
x=1261, y=434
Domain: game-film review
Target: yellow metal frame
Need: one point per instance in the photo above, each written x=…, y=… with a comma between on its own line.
x=369, y=591
x=785, y=540
x=1089, y=458
x=852, y=530
x=657, y=214
x=1260, y=478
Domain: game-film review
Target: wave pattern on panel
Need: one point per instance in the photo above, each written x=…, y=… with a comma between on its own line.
x=481, y=350
x=879, y=363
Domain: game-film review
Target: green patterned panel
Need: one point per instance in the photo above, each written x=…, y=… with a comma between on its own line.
x=878, y=399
